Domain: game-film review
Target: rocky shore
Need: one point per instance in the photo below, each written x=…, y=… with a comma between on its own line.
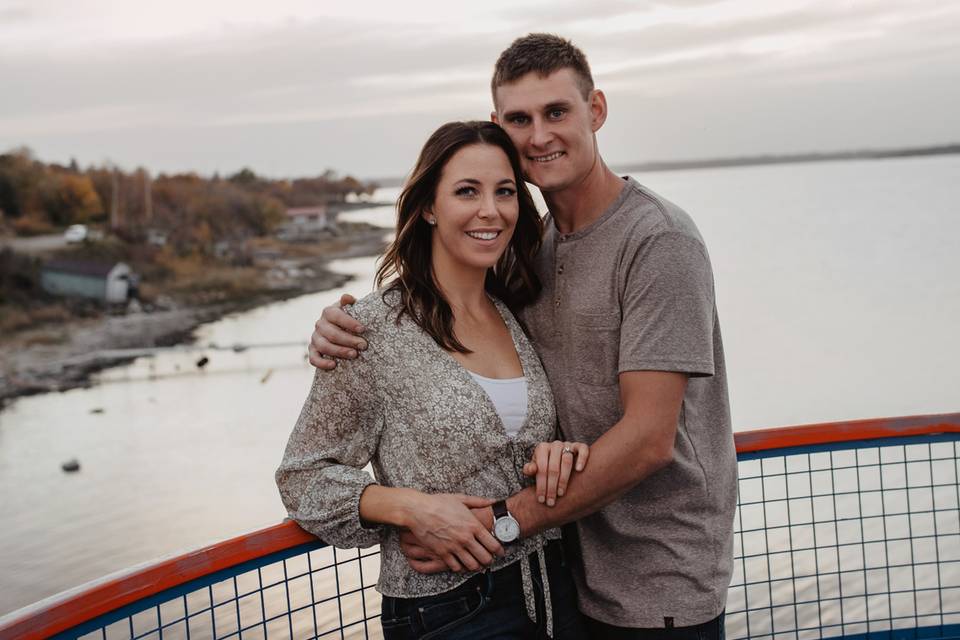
x=63, y=356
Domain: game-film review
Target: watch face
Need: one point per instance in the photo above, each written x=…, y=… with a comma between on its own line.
x=506, y=529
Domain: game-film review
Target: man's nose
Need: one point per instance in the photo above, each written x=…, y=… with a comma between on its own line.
x=541, y=133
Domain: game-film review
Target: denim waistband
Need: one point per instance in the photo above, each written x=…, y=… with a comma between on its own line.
x=486, y=580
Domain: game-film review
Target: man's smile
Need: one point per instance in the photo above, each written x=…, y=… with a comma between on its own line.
x=549, y=157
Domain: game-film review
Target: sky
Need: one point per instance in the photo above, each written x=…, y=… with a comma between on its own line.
x=294, y=87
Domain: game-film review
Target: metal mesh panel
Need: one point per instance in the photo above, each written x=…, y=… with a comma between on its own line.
x=323, y=593
x=852, y=539
x=846, y=542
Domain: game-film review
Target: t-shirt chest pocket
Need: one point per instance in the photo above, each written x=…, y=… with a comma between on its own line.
x=594, y=348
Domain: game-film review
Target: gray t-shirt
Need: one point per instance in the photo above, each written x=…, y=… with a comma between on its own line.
x=634, y=291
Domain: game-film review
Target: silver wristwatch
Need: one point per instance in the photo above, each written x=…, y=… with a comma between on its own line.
x=506, y=529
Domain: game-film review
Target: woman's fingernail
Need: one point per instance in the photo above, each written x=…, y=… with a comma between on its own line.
x=559, y=492
x=540, y=499
x=550, y=502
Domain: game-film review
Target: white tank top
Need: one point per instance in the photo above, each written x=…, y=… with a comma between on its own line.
x=509, y=396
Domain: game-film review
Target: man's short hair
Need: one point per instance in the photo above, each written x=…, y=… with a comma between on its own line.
x=543, y=54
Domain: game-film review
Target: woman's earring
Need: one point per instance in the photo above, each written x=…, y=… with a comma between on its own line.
x=432, y=222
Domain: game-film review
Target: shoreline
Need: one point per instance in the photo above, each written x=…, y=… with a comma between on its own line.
x=34, y=363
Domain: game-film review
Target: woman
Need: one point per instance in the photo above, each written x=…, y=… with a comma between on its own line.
x=448, y=402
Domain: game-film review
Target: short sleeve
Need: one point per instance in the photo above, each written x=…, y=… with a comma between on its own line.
x=668, y=307
x=321, y=477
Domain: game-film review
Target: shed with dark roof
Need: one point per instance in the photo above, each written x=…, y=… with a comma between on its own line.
x=107, y=282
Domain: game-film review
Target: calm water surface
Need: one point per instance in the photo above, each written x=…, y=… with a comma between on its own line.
x=839, y=292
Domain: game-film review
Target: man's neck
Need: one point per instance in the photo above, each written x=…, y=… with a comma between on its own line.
x=580, y=204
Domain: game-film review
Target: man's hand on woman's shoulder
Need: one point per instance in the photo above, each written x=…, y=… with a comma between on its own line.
x=335, y=335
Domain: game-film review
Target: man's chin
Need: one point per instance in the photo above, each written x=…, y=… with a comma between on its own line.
x=549, y=185
x=545, y=183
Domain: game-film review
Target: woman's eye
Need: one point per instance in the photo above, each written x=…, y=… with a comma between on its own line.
x=466, y=191
x=506, y=192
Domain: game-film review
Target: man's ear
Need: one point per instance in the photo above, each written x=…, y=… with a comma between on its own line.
x=598, y=109
x=494, y=118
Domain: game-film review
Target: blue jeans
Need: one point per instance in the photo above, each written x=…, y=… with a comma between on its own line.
x=489, y=606
x=712, y=630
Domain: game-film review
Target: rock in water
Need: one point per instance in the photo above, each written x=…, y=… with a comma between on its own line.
x=71, y=465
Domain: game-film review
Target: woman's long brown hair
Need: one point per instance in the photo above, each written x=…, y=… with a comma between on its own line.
x=409, y=257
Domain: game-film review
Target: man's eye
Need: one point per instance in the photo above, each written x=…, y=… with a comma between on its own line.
x=519, y=120
x=557, y=113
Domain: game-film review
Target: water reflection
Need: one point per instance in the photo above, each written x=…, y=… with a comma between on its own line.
x=838, y=292
x=174, y=456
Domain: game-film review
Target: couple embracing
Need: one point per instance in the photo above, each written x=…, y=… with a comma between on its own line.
x=517, y=375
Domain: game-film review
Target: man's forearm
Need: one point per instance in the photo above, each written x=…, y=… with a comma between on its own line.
x=640, y=444
x=619, y=460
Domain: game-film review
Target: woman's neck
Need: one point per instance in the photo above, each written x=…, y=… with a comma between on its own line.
x=462, y=286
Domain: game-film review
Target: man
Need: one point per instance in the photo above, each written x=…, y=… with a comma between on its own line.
x=627, y=330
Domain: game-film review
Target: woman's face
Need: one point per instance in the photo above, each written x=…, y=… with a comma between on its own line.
x=475, y=208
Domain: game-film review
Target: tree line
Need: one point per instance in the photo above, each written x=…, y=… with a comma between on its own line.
x=38, y=197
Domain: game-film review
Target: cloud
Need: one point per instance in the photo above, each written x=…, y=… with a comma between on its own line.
x=320, y=67
x=16, y=14
x=322, y=73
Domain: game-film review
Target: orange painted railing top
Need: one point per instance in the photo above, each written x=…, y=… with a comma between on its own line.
x=59, y=614
x=835, y=432
x=65, y=611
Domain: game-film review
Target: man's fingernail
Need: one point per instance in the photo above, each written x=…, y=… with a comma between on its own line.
x=540, y=499
x=351, y=354
x=579, y=467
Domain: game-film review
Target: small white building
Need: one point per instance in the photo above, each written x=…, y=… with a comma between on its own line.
x=306, y=222
x=107, y=282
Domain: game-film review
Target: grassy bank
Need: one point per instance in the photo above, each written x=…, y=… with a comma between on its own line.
x=52, y=344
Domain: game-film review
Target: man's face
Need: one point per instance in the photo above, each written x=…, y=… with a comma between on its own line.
x=552, y=126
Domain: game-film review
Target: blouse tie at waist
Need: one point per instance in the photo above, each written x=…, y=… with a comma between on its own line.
x=531, y=545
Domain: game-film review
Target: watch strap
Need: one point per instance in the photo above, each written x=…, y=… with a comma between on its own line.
x=500, y=509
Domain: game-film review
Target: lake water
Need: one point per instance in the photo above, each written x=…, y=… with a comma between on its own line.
x=838, y=286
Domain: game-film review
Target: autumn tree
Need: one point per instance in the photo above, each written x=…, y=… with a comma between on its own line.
x=69, y=199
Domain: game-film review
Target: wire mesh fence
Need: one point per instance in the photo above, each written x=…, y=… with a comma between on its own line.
x=855, y=539
x=318, y=593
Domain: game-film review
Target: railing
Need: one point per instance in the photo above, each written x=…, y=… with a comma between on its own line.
x=848, y=530
x=842, y=530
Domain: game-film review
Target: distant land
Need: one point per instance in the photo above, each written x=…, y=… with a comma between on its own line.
x=745, y=161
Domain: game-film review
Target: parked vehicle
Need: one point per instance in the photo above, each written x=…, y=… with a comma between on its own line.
x=75, y=233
